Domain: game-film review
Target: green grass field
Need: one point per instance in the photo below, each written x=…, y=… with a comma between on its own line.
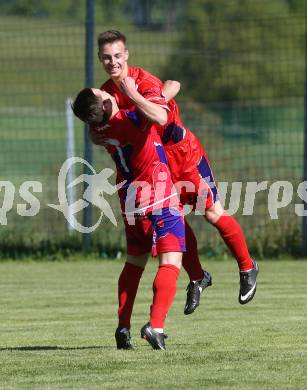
x=58, y=320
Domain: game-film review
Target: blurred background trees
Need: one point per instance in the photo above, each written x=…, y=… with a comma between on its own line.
x=241, y=64
x=237, y=53
x=223, y=64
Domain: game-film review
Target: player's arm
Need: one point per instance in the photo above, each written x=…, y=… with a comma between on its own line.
x=170, y=89
x=154, y=112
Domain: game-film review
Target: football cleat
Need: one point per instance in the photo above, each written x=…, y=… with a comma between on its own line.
x=248, y=284
x=194, y=290
x=155, y=339
x=123, y=338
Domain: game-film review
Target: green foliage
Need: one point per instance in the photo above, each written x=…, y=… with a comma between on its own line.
x=155, y=15
x=144, y=13
x=43, y=64
x=73, y=10
x=233, y=50
x=19, y=245
x=264, y=244
x=297, y=5
x=270, y=243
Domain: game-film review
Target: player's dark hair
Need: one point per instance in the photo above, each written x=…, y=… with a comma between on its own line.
x=87, y=106
x=110, y=36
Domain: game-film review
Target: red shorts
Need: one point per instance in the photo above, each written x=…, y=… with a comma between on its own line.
x=191, y=173
x=139, y=237
x=159, y=232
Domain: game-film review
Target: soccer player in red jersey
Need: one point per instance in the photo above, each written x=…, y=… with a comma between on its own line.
x=146, y=192
x=187, y=160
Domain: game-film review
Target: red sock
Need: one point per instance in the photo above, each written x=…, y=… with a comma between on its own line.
x=128, y=283
x=190, y=259
x=164, y=289
x=232, y=234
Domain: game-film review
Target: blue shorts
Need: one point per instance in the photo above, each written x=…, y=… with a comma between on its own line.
x=159, y=232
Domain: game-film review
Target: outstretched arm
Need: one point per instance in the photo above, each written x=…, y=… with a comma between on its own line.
x=152, y=111
x=170, y=89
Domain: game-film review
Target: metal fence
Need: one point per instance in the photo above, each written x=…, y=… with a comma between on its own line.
x=255, y=135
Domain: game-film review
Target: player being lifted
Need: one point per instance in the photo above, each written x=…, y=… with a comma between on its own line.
x=148, y=194
x=187, y=160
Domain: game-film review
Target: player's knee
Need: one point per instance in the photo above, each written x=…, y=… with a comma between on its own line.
x=171, y=258
x=139, y=261
x=214, y=213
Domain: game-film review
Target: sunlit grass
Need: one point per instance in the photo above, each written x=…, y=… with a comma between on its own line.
x=58, y=320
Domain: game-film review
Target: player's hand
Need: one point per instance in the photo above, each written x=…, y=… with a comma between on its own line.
x=170, y=89
x=105, y=95
x=129, y=87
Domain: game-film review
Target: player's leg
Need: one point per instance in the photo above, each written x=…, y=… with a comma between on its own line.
x=232, y=234
x=170, y=243
x=139, y=242
x=199, y=278
x=183, y=158
x=209, y=205
x=190, y=258
x=164, y=287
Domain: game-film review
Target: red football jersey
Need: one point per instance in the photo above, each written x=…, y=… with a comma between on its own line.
x=150, y=87
x=136, y=148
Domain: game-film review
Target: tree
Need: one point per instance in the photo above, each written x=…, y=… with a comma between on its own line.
x=44, y=8
x=233, y=50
